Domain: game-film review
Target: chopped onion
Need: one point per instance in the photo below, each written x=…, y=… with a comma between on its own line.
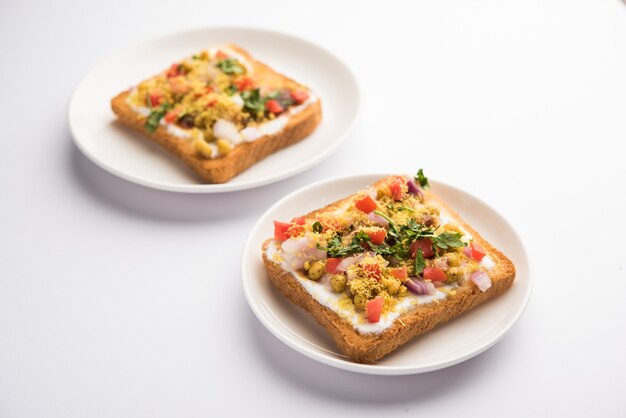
x=420, y=287
x=226, y=130
x=414, y=188
x=467, y=251
x=298, y=251
x=377, y=218
x=481, y=279
x=345, y=264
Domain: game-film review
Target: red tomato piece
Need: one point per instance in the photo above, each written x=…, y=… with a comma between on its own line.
x=281, y=231
x=221, y=54
x=377, y=236
x=156, y=97
x=396, y=190
x=477, y=251
x=331, y=265
x=374, y=308
x=435, y=274
x=299, y=220
x=172, y=116
x=244, y=83
x=366, y=204
x=175, y=70
x=273, y=106
x=211, y=104
x=399, y=273
x=424, y=244
x=299, y=96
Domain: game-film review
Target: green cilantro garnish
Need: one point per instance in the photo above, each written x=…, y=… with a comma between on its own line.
x=448, y=240
x=422, y=179
x=419, y=262
x=392, y=225
x=317, y=227
x=231, y=66
x=231, y=90
x=152, y=123
x=252, y=101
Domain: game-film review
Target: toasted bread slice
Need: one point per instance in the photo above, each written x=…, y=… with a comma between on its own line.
x=242, y=154
x=367, y=347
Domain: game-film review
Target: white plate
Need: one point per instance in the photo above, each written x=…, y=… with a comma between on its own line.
x=449, y=344
x=123, y=153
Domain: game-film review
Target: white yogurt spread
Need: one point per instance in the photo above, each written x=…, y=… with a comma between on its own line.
x=320, y=291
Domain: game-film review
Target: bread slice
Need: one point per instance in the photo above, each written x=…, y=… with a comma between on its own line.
x=244, y=154
x=369, y=347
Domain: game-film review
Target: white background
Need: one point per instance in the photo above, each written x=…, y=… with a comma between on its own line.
x=121, y=301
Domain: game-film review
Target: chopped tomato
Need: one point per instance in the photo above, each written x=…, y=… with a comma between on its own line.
x=244, y=83
x=175, y=70
x=396, y=190
x=477, y=251
x=281, y=231
x=178, y=85
x=373, y=271
x=399, y=273
x=221, y=54
x=374, y=308
x=172, y=116
x=299, y=96
x=435, y=274
x=331, y=265
x=273, y=106
x=156, y=97
x=299, y=220
x=366, y=204
x=377, y=236
x=208, y=89
x=424, y=244
x=211, y=103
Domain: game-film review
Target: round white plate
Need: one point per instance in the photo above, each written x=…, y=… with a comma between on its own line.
x=125, y=154
x=451, y=343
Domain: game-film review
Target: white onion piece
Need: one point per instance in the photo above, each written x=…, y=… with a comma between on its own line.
x=467, y=251
x=481, y=279
x=431, y=287
x=297, y=251
x=250, y=133
x=224, y=129
x=371, y=192
x=378, y=219
x=237, y=100
x=345, y=264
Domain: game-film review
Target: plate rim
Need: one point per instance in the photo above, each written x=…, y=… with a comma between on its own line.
x=227, y=187
x=376, y=369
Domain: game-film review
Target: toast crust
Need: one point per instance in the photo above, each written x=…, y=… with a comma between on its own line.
x=367, y=348
x=244, y=155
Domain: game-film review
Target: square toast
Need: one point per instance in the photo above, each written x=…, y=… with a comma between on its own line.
x=220, y=111
x=383, y=266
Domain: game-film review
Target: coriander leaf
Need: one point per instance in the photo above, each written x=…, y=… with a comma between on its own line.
x=392, y=225
x=317, y=227
x=231, y=90
x=231, y=66
x=252, y=101
x=448, y=240
x=419, y=262
x=152, y=123
x=422, y=179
